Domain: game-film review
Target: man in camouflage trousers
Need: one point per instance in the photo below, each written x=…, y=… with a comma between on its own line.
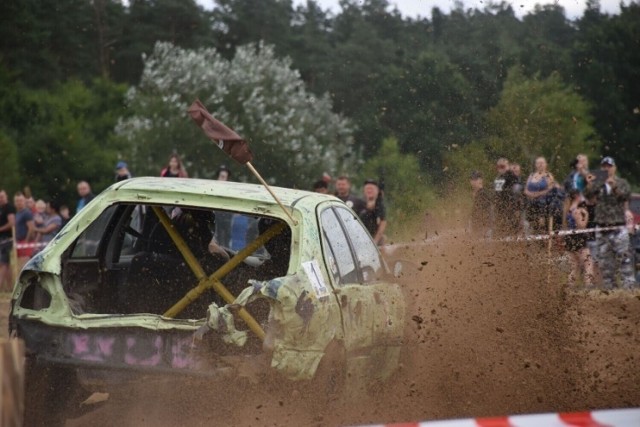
x=614, y=250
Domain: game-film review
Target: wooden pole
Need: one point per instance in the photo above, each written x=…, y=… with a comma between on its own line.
x=549, y=243
x=11, y=382
x=14, y=258
x=255, y=172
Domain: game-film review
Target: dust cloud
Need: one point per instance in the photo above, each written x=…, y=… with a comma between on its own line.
x=490, y=331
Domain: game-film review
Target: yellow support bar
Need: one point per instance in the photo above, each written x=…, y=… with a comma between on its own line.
x=213, y=281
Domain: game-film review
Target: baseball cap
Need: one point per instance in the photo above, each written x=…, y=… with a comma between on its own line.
x=371, y=181
x=121, y=165
x=475, y=175
x=608, y=161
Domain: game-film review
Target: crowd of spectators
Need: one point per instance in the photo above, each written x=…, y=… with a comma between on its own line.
x=370, y=207
x=591, y=206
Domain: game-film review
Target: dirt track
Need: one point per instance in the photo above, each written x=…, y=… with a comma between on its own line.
x=488, y=333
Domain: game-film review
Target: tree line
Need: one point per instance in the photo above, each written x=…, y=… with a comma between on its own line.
x=446, y=93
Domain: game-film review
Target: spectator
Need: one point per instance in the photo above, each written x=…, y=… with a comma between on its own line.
x=481, y=210
x=52, y=224
x=343, y=192
x=373, y=214
x=577, y=178
x=539, y=185
x=64, y=214
x=321, y=186
x=31, y=204
x=577, y=218
x=39, y=212
x=25, y=228
x=518, y=190
x=224, y=220
x=614, y=252
x=505, y=200
x=122, y=171
x=7, y=222
x=223, y=173
x=84, y=191
x=174, y=168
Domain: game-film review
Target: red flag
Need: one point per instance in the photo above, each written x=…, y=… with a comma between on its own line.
x=225, y=138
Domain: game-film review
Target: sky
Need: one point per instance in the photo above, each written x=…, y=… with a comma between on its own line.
x=415, y=8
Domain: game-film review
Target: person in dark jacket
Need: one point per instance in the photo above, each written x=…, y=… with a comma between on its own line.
x=481, y=210
x=506, y=200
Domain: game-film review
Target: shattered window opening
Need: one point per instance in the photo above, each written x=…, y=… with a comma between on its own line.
x=126, y=262
x=367, y=254
x=338, y=244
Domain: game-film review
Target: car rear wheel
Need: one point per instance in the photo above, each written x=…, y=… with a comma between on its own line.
x=331, y=376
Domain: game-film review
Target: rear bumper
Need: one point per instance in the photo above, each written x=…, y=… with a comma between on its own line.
x=112, y=356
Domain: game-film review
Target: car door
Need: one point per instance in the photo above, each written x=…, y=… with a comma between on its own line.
x=372, y=307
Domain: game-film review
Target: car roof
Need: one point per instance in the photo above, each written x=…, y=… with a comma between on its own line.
x=228, y=189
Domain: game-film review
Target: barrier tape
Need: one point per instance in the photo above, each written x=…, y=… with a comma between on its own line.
x=561, y=233
x=390, y=249
x=29, y=245
x=602, y=418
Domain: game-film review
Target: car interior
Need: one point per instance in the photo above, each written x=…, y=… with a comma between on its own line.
x=127, y=261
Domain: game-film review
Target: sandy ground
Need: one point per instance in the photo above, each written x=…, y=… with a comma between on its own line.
x=489, y=332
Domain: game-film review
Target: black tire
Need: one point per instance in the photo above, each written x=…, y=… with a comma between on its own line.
x=52, y=394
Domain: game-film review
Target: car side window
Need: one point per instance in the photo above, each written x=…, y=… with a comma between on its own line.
x=367, y=254
x=133, y=230
x=338, y=253
x=88, y=243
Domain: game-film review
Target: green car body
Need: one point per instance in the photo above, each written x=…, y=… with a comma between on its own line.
x=75, y=304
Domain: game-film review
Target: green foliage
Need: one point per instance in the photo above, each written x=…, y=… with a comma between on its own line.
x=606, y=56
x=533, y=118
x=407, y=190
x=10, y=178
x=540, y=118
x=180, y=22
x=436, y=84
x=66, y=138
x=46, y=41
x=426, y=105
x=294, y=135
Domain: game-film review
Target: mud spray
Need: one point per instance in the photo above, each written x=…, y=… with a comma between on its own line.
x=490, y=331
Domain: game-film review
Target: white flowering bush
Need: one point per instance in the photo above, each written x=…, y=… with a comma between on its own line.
x=293, y=134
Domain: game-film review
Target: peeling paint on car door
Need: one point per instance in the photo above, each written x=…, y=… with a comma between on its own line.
x=372, y=308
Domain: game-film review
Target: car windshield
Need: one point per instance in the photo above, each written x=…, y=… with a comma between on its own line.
x=143, y=258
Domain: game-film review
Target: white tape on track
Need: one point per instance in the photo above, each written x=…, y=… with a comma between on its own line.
x=602, y=418
x=390, y=249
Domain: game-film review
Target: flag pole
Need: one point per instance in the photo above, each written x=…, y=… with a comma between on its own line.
x=263, y=182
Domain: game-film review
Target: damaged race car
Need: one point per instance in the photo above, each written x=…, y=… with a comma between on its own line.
x=210, y=278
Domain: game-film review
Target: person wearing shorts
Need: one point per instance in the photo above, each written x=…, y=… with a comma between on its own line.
x=576, y=244
x=7, y=222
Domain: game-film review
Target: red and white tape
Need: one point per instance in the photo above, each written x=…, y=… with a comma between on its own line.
x=31, y=245
x=604, y=418
x=25, y=245
x=390, y=249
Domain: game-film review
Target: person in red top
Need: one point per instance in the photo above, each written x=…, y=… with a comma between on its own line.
x=174, y=168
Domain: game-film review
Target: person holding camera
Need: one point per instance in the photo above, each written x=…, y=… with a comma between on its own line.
x=611, y=194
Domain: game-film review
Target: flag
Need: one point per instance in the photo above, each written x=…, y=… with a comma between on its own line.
x=225, y=138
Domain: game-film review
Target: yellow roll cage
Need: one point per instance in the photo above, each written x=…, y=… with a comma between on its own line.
x=213, y=280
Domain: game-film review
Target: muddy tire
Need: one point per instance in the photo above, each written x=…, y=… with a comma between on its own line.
x=330, y=379
x=52, y=394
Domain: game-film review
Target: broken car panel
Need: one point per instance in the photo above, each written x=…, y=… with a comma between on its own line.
x=118, y=289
